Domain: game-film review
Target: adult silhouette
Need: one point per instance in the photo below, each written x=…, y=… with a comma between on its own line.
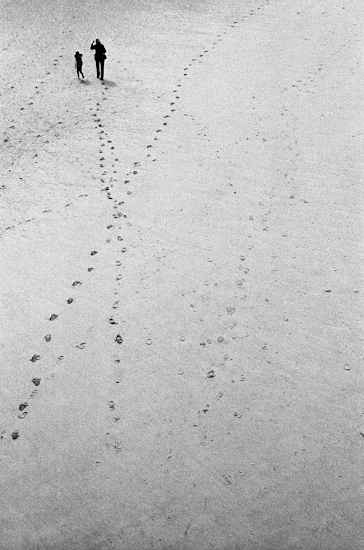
x=99, y=57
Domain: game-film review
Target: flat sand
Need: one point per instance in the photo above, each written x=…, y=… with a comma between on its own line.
x=181, y=276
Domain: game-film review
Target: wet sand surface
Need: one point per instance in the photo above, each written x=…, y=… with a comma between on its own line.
x=181, y=266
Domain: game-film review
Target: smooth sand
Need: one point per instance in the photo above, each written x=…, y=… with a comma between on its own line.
x=203, y=209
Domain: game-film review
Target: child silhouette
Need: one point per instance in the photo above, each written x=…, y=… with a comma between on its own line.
x=78, y=64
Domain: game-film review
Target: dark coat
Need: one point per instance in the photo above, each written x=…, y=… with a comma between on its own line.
x=78, y=57
x=99, y=50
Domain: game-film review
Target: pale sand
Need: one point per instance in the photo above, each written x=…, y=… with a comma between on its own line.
x=241, y=253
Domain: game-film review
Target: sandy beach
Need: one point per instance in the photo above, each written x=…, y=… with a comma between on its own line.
x=181, y=262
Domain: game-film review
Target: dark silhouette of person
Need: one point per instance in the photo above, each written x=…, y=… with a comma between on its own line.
x=99, y=57
x=78, y=64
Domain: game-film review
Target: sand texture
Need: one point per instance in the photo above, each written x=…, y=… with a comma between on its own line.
x=181, y=262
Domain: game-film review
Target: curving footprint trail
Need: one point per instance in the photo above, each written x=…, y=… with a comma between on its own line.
x=113, y=190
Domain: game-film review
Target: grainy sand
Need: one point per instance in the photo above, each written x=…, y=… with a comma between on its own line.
x=181, y=276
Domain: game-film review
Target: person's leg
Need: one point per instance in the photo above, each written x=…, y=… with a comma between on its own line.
x=98, y=68
x=102, y=61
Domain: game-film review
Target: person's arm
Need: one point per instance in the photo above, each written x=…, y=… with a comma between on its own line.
x=92, y=46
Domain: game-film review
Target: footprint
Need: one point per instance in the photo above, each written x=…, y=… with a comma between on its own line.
x=70, y=300
x=93, y=252
x=23, y=406
x=35, y=358
x=53, y=317
x=76, y=283
x=36, y=381
x=81, y=346
x=119, y=339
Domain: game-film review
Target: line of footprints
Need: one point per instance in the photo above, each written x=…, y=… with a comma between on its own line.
x=106, y=146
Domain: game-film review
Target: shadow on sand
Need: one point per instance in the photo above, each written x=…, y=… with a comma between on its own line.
x=108, y=83
x=85, y=81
